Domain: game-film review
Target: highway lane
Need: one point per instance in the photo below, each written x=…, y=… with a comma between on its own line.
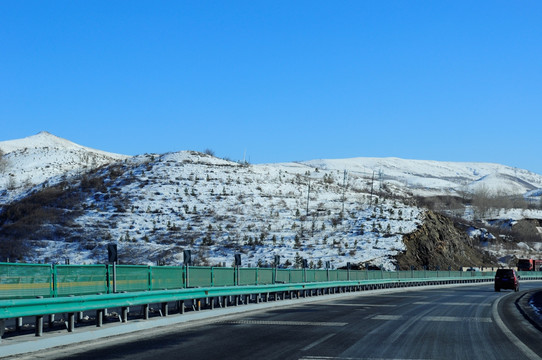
x=433, y=323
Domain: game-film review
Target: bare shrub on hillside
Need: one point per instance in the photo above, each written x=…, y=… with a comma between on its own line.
x=442, y=204
x=526, y=231
x=486, y=203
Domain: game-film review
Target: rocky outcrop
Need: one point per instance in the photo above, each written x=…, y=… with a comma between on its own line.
x=438, y=242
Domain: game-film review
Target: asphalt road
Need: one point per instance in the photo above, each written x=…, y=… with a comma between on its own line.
x=466, y=322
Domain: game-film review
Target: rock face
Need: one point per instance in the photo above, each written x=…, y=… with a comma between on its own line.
x=438, y=242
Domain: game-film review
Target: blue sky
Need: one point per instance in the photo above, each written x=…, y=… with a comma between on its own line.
x=278, y=80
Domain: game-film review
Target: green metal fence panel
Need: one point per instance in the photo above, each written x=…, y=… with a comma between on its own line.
x=167, y=277
x=420, y=274
x=527, y=274
x=31, y=280
x=342, y=275
x=223, y=276
x=80, y=279
x=265, y=276
x=296, y=276
x=333, y=275
x=130, y=277
x=25, y=281
x=200, y=276
x=248, y=276
x=320, y=275
x=455, y=273
x=283, y=276
x=310, y=275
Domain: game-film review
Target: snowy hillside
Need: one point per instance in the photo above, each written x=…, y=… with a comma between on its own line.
x=43, y=157
x=437, y=178
x=154, y=206
x=160, y=205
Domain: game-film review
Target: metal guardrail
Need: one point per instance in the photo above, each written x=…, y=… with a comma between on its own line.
x=73, y=289
x=18, y=281
x=45, y=306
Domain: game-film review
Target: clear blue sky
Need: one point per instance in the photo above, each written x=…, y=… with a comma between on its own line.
x=281, y=80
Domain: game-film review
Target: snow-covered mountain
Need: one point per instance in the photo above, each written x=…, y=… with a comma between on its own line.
x=43, y=157
x=156, y=205
x=437, y=177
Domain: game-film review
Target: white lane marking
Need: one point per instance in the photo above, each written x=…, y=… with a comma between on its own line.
x=431, y=318
x=510, y=335
x=364, y=305
x=386, y=317
x=317, y=342
x=456, y=319
x=448, y=303
x=316, y=357
x=289, y=323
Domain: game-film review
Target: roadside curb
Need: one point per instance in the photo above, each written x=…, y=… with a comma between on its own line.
x=523, y=303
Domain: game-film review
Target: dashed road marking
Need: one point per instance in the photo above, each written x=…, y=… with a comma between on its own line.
x=286, y=323
x=365, y=305
x=316, y=357
x=432, y=318
x=317, y=342
x=448, y=303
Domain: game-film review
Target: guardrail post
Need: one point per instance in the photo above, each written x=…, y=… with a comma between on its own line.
x=51, y=320
x=39, y=325
x=71, y=322
x=2, y=328
x=165, y=309
x=146, y=311
x=99, y=317
x=18, y=324
x=124, y=313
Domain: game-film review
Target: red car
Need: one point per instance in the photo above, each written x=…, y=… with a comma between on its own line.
x=506, y=279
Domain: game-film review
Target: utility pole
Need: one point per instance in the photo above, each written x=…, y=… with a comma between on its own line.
x=344, y=189
x=372, y=185
x=308, y=197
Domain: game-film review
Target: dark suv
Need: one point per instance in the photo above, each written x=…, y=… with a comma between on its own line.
x=506, y=279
